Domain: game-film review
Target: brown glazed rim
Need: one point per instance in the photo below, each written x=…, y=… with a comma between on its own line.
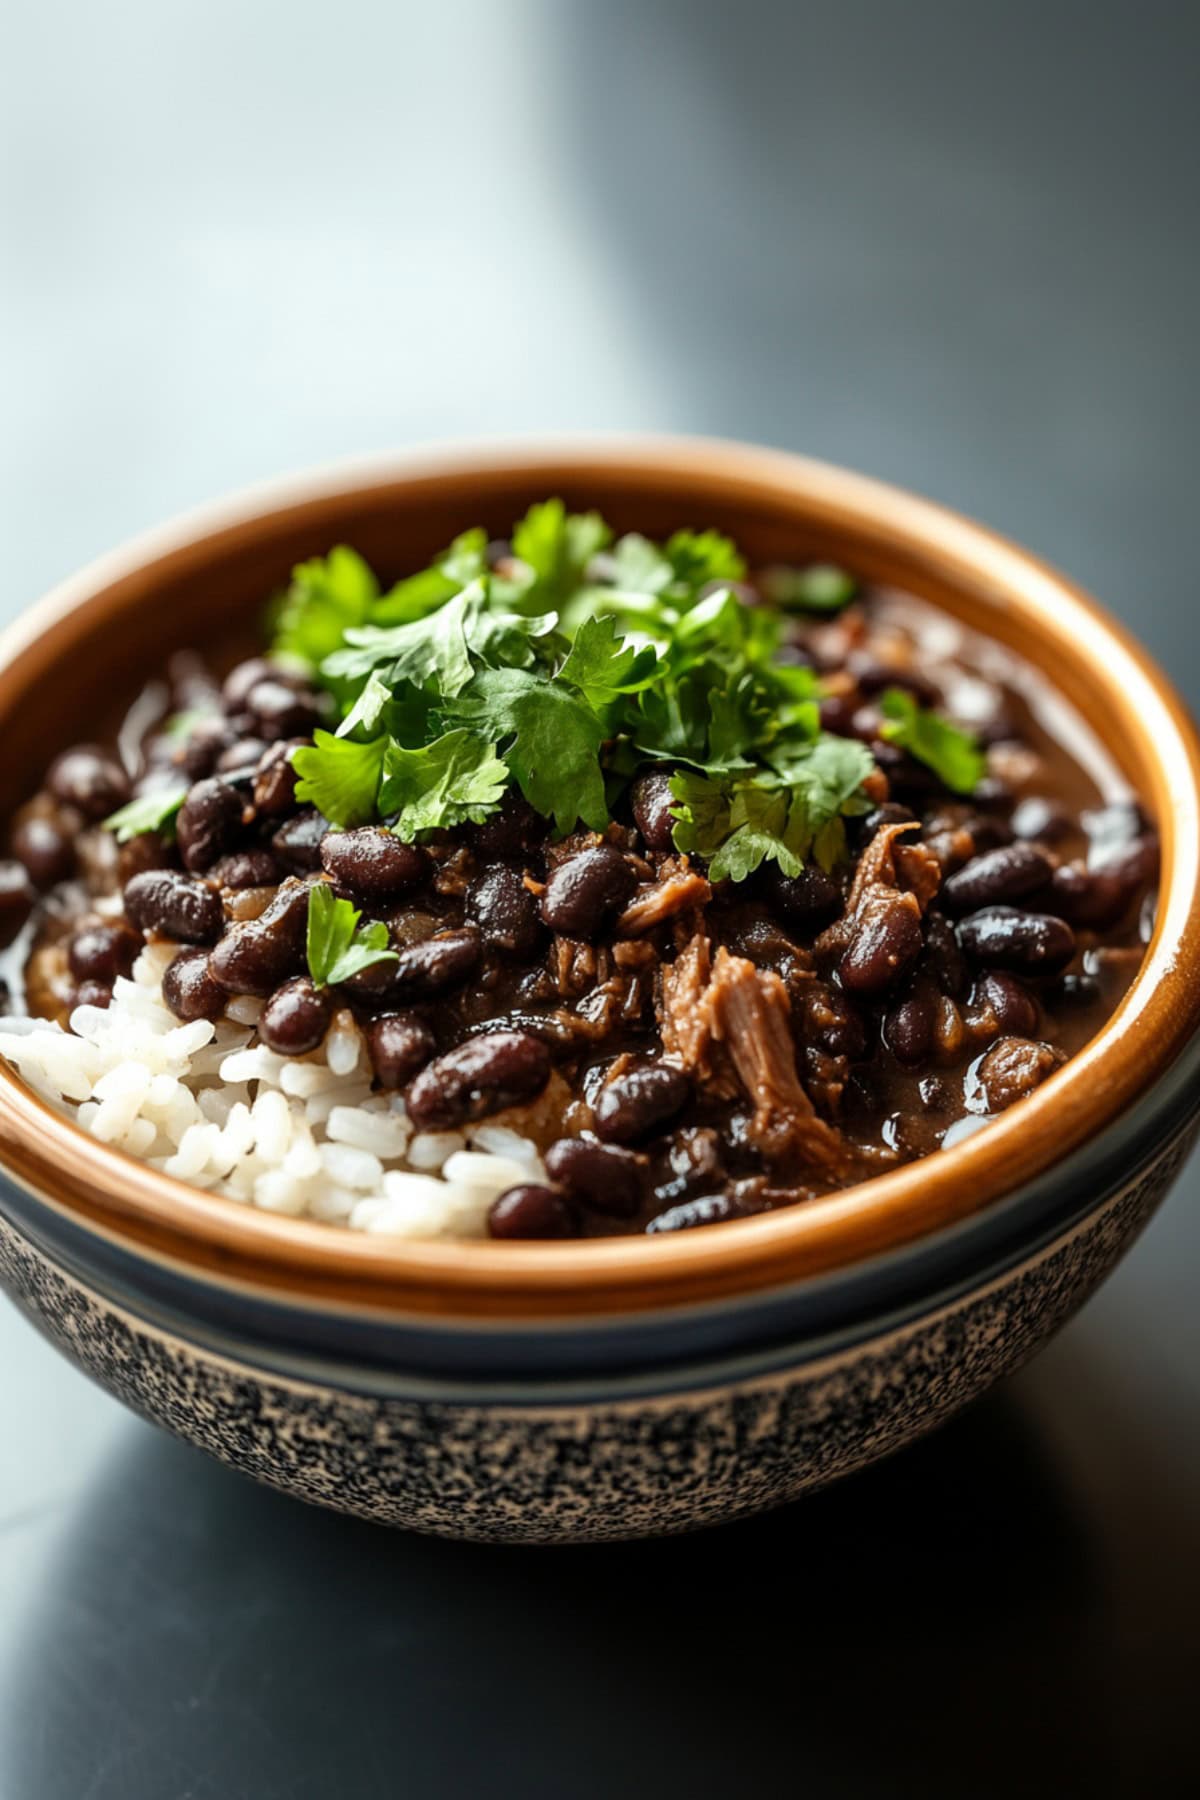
x=988, y=579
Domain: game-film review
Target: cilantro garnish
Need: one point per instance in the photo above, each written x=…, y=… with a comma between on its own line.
x=448, y=782
x=953, y=754
x=340, y=778
x=563, y=665
x=336, y=946
x=148, y=812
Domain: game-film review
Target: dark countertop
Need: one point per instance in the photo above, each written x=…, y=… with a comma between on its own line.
x=953, y=246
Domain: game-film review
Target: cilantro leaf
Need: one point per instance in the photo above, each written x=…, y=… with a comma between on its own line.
x=340, y=777
x=154, y=811
x=328, y=596
x=953, y=754
x=556, y=546
x=335, y=946
x=604, y=668
x=432, y=648
x=451, y=571
x=782, y=815
x=697, y=557
x=547, y=736
x=818, y=588
x=739, y=824
x=454, y=779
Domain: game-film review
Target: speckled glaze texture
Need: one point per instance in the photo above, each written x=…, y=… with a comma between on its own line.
x=543, y=1473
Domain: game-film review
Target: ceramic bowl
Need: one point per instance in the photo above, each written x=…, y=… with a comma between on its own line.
x=628, y=1386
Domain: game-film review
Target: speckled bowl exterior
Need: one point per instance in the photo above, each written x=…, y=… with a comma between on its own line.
x=633, y=1386
x=604, y=1455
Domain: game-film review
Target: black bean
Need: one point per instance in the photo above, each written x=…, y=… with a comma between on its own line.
x=435, y=966
x=1075, y=991
x=205, y=742
x=1041, y=819
x=908, y=1029
x=256, y=955
x=102, y=952
x=47, y=851
x=1099, y=895
x=241, y=678
x=243, y=754
x=181, y=908
x=92, y=993
x=373, y=862
x=280, y=711
x=296, y=1017
x=275, y=780
x=837, y=715
x=636, y=1103
x=651, y=800
x=399, y=1044
x=482, y=1076
x=1010, y=873
x=1013, y=1006
x=209, y=824
x=943, y=957
x=1133, y=863
x=246, y=869
x=505, y=912
x=16, y=900
x=89, y=778
x=189, y=989
x=511, y=830
x=890, y=813
x=1012, y=1068
x=873, y=676
x=532, y=1211
x=604, y=1177
x=297, y=844
x=148, y=850
x=887, y=941
x=706, y=1209
x=811, y=898
x=586, y=891
x=1028, y=942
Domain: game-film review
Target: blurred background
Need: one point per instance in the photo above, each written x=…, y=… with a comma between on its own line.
x=950, y=243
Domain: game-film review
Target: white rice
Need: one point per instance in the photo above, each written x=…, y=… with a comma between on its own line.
x=301, y=1136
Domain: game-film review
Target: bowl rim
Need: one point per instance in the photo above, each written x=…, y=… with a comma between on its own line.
x=123, y=1198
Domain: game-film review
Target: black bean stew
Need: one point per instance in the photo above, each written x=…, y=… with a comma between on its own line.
x=689, y=1039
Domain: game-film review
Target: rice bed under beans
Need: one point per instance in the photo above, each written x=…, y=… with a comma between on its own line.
x=303, y=1136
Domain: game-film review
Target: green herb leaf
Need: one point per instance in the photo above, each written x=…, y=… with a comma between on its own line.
x=605, y=668
x=547, y=736
x=465, y=561
x=782, y=815
x=335, y=945
x=454, y=779
x=953, y=754
x=819, y=588
x=148, y=812
x=556, y=546
x=698, y=557
x=432, y=649
x=339, y=777
x=328, y=596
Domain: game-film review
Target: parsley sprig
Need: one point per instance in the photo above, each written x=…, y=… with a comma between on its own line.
x=564, y=666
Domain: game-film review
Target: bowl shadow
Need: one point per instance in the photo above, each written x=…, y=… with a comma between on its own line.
x=199, y=1634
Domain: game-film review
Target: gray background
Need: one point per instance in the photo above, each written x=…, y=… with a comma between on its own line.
x=953, y=244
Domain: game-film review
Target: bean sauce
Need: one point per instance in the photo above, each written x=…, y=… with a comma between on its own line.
x=684, y=1050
